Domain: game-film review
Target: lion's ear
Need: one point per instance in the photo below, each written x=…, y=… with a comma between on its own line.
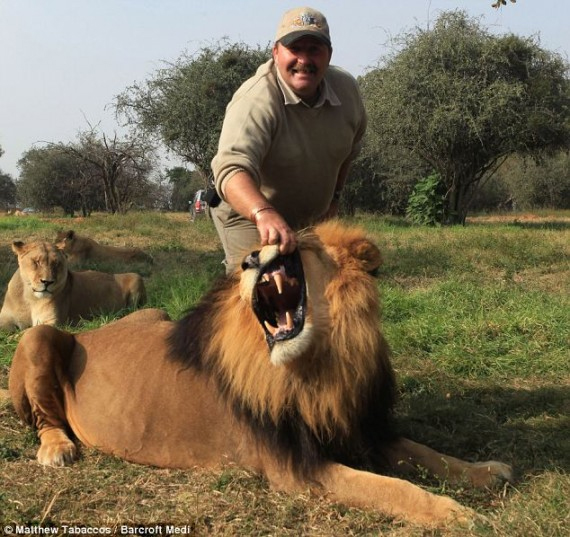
x=70, y=234
x=367, y=253
x=17, y=247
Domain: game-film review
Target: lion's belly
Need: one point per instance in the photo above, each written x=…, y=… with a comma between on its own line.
x=146, y=408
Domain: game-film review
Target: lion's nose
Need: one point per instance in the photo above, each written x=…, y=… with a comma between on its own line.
x=47, y=283
x=251, y=261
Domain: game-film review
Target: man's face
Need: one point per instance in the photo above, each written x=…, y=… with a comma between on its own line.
x=303, y=64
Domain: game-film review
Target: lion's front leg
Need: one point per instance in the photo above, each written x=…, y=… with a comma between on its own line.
x=388, y=495
x=394, y=497
x=56, y=448
x=405, y=455
x=36, y=391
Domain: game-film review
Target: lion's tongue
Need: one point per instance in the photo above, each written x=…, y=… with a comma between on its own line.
x=284, y=323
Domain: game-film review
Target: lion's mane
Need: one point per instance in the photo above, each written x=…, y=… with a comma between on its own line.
x=333, y=402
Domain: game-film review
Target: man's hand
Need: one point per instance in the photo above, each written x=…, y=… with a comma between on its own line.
x=243, y=194
x=274, y=230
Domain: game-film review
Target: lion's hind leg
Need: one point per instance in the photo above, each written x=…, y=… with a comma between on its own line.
x=405, y=455
x=36, y=391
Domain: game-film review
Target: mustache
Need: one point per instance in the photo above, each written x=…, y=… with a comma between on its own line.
x=304, y=68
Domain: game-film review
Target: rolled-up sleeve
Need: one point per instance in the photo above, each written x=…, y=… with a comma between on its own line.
x=245, y=139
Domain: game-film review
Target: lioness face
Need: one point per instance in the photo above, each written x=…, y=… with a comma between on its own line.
x=43, y=268
x=286, y=293
x=65, y=241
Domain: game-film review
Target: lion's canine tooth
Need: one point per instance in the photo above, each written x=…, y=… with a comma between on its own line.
x=266, y=277
x=271, y=329
x=289, y=320
x=278, y=277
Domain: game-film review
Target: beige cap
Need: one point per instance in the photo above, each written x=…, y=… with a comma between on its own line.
x=300, y=22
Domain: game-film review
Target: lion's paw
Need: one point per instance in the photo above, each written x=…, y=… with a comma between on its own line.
x=461, y=516
x=59, y=453
x=490, y=474
x=449, y=512
x=442, y=511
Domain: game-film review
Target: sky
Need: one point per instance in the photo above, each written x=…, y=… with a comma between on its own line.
x=62, y=62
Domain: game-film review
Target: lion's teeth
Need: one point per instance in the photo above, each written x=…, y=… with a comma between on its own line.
x=271, y=329
x=266, y=277
x=289, y=320
x=278, y=277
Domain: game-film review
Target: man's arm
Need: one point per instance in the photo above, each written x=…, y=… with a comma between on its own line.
x=243, y=194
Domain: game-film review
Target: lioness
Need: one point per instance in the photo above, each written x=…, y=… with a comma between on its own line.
x=280, y=368
x=80, y=249
x=44, y=291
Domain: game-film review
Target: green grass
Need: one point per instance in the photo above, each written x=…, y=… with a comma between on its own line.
x=478, y=321
x=21, y=226
x=474, y=331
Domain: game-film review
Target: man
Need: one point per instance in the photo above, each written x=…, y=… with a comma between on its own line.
x=288, y=138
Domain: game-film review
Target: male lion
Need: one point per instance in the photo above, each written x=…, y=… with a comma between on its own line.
x=281, y=369
x=80, y=249
x=44, y=291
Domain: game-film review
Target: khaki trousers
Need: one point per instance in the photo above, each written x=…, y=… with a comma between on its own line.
x=238, y=235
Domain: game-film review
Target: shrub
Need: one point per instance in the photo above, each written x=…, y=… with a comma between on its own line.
x=425, y=204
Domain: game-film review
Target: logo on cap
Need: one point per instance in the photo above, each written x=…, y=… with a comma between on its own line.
x=306, y=19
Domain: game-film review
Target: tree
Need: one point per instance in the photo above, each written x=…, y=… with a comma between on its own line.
x=7, y=191
x=7, y=188
x=382, y=178
x=501, y=3
x=96, y=172
x=120, y=167
x=184, y=103
x=184, y=184
x=534, y=185
x=50, y=177
x=462, y=100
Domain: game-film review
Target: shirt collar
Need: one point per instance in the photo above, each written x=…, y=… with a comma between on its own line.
x=291, y=98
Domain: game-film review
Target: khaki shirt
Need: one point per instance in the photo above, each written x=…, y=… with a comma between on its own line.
x=293, y=151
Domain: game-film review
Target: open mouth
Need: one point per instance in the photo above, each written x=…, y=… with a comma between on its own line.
x=279, y=298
